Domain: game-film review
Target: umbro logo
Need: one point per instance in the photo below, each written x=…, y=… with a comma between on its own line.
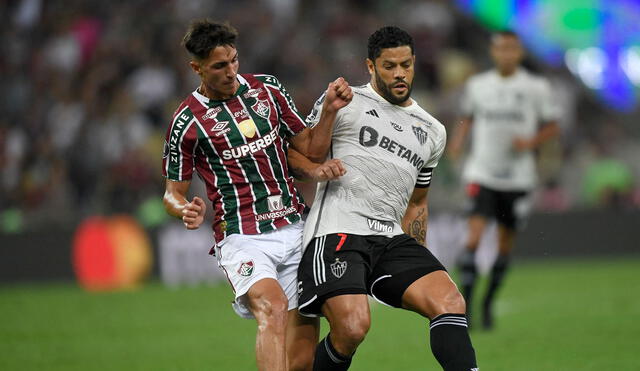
x=220, y=128
x=220, y=125
x=373, y=113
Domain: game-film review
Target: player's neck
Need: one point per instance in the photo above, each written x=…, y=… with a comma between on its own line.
x=507, y=72
x=217, y=95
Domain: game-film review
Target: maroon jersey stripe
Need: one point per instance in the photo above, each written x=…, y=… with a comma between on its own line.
x=244, y=195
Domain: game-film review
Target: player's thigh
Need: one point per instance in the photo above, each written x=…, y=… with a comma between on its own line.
x=483, y=201
x=405, y=262
x=287, y=269
x=246, y=261
x=432, y=295
x=331, y=265
x=348, y=315
x=266, y=298
x=513, y=207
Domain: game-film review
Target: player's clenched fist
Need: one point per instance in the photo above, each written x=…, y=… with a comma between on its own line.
x=329, y=170
x=193, y=213
x=338, y=94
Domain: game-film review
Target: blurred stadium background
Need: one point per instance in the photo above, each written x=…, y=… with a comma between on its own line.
x=88, y=89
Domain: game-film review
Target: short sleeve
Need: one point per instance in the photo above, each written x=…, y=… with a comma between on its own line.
x=291, y=121
x=314, y=117
x=438, y=142
x=179, y=147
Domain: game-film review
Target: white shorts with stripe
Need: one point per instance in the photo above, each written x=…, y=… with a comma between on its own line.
x=247, y=259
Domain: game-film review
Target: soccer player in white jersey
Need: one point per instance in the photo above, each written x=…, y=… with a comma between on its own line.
x=366, y=230
x=509, y=113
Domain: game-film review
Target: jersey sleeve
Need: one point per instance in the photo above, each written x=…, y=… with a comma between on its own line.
x=316, y=112
x=291, y=122
x=438, y=143
x=314, y=117
x=179, y=147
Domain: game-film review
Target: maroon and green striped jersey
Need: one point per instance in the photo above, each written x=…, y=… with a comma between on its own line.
x=237, y=148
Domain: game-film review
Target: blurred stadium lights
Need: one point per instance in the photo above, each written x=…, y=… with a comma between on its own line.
x=630, y=64
x=588, y=64
x=598, y=40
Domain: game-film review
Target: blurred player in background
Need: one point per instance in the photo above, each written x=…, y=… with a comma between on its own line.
x=366, y=231
x=234, y=130
x=510, y=113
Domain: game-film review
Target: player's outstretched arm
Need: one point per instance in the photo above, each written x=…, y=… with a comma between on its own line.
x=414, y=222
x=306, y=170
x=548, y=131
x=176, y=204
x=314, y=143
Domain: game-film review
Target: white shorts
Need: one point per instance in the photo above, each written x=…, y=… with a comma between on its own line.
x=246, y=259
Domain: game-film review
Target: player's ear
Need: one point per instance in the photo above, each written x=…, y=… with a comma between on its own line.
x=195, y=66
x=370, y=66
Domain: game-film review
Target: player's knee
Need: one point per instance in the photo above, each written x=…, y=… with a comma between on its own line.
x=351, y=331
x=271, y=310
x=453, y=302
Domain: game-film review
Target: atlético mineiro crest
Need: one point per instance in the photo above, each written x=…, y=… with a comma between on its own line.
x=420, y=133
x=246, y=268
x=261, y=107
x=338, y=268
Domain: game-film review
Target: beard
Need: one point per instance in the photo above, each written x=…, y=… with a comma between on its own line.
x=387, y=93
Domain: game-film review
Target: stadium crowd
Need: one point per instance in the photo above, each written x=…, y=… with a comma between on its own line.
x=89, y=87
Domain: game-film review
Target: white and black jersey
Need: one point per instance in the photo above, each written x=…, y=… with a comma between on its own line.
x=502, y=109
x=387, y=150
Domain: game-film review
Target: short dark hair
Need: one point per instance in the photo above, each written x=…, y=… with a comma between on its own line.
x=204, y=35
x=504, y=33
x=388, y=37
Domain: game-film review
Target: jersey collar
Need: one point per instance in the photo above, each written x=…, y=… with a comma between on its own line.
x=518, y=72
x=244, y=86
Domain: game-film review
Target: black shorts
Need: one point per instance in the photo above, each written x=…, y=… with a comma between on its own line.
x=500, y=205
x=341, y=264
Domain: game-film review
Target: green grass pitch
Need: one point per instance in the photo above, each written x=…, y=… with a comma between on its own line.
x=552, y=315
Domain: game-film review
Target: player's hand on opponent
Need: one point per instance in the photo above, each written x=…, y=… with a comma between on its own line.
x=338, y=95
x=193, y=213
x=329, y=170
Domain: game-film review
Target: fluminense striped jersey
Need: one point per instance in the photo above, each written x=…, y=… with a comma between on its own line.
x=237, y=148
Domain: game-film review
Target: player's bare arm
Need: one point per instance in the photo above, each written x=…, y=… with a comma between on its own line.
x=458, y=138
x=307, y=170
x=314, y=143
x=548, y=131
x=414, y=222
x=176, y=204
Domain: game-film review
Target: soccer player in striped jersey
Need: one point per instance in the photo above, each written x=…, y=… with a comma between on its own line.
x=234, y=130
x=509, y=113
x=366, y=231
